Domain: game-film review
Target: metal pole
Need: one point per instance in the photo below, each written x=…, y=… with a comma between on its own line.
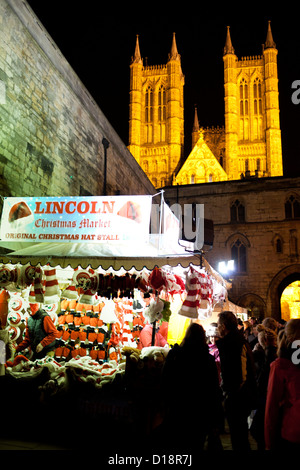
x=105, y=144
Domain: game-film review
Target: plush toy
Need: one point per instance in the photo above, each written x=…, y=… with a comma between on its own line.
x=155, y=352
x=132, y=353
x=154, y=310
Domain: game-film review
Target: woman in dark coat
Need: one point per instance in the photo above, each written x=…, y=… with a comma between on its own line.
x=192, y=394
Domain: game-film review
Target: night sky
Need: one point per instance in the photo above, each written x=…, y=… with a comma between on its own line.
x=99, y=45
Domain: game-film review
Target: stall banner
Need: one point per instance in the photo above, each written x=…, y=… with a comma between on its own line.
x=99, y=219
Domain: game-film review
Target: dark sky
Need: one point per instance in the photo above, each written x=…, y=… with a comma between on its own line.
x=99, y=44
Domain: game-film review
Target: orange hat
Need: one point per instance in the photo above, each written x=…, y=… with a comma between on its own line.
x=34, y=308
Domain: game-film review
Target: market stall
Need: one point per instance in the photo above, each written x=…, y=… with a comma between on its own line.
x=101, y=296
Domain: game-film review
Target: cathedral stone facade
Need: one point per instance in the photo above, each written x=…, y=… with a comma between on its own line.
x=248, y=144
x=236, y=171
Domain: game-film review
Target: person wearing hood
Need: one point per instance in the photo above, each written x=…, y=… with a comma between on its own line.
x=282, y=413
x=40, y=334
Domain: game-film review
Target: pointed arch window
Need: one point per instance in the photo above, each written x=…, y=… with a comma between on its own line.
x=239, y=255
x=162, y=113
x=244, y=100
x=257, y=109
x=257, y=96
x=292, y=208
x=237, y=212
x=149, y=115
x=244, y=110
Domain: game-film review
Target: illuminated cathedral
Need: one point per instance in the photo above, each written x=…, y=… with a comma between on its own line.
x=249, y=144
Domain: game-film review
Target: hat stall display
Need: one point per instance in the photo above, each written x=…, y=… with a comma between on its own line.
x=51, y=285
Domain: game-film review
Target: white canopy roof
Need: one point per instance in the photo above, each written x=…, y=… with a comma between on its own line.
x=95, y=255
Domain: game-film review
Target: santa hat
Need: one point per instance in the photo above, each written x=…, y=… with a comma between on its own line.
x=191, y=302
x=70, y=292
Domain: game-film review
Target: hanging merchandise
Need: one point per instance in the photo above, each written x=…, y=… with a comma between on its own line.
x=203, y=292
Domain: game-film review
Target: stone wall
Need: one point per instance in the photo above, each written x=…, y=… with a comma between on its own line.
x=265, y=221
x=51, y=129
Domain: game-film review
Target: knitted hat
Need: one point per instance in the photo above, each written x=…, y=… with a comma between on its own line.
x=51, y=284
x=70, y=292
x=191, y=302
x=34, y=308
x=38, y=285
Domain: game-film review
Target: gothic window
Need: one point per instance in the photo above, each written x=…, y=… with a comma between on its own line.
x=149, y=105
x=244, y=98
x=257, y=97
x=239, y=255
x=244, y=110
x=237, y=212
x=145, y=166
x=257, y=109
x=161, y=104
x=162, y=113
x=278, y=245
x=292, y=208
x=258, y=164
x=163, y=165
x=149, y=115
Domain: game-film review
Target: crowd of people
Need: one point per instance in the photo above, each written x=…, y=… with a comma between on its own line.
x=247, y=373
x=253, y=382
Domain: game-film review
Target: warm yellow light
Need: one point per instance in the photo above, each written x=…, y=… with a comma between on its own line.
x=290, y=301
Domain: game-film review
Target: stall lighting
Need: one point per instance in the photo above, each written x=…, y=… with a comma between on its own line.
x=226, y=267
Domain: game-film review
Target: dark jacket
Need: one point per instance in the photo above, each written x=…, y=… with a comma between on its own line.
x=237, y=366
x=191, y=388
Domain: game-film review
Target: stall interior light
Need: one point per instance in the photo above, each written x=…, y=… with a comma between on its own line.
x=226, y=267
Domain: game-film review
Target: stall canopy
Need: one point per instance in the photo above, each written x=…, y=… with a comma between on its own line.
x=95, y=255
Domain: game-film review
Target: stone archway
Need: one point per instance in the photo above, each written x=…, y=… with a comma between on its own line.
x=279, y=282
x=254, y=303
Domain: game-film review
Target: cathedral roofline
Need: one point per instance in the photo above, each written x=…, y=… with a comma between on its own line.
x=228, y=49
x=270, y=44
x=137, y=59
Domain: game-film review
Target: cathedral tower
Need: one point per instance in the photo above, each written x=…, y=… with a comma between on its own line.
x=252, y=128
x=156, y=121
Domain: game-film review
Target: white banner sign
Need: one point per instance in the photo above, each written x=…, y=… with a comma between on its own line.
x=99, y=219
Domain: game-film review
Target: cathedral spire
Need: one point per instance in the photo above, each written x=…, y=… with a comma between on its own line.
x=196, y=121
x=137, y=59
x=228, y=49
x=270, y=44
x=174, y=52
